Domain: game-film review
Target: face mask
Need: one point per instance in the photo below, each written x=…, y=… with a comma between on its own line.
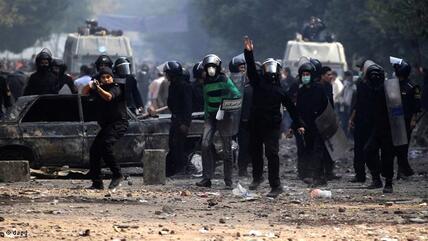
x=211, y=71
x=306, y=79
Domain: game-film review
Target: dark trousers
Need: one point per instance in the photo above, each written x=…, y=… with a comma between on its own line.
x=176, y=158
x=102, y=147
x=208, y=155
x=328, y=163
x=269, y=137
x=384, y=165
x=313, y=156
x=361, y=137
x=401, y=152
x=244, y=146
x=302, y=165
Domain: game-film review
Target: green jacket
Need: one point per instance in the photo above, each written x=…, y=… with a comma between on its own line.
x=216, y=91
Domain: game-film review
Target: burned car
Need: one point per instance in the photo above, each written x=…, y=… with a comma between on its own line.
x=58, y=130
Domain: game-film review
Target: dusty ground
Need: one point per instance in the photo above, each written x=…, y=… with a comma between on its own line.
x=63, y=210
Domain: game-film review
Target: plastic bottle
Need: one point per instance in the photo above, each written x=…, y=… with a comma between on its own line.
x=317, y=193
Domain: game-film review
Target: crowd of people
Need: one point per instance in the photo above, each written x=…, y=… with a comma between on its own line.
x=254, y=103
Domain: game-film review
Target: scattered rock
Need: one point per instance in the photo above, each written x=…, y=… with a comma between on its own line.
x=167, y=209
x=398, y=212
x=212, y=202
x=85, y=233
x=185, y=193
x=342, y=210
x=1, y=219
x=418, y=220
x=130, y=183
x=107, y=195
x=222, y=220
x=158, y=212
x=389, y=204
x=296, y=202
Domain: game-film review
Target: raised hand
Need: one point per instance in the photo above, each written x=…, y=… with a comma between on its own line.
x=248, y=44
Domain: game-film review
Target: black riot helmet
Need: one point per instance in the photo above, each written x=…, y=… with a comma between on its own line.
x=271, y=70
x=402, y=70
x=173, y=69
x=122, y=67
x=236, y=62
x=197, y=70
x=60, y=64
x=212, y=65
x=103, y=61
x=375, y=76
x=45, y=54
x=318, y=67
x=307, y=67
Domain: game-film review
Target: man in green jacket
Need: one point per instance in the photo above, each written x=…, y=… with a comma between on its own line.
x=217, y=87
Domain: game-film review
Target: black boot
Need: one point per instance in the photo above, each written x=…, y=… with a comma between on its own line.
x=388, y=186
x=318, y=182
x=115, y=182
x=376, y=183
x=96, y=185
x=204, y=183
x=358, y=179
x=332, y=176
x=275, y=192
x=256, y=183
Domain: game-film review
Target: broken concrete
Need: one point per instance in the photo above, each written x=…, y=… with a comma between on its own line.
x=14, y=171
x=154, y=166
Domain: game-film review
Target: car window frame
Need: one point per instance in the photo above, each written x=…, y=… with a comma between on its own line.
x=30, y=105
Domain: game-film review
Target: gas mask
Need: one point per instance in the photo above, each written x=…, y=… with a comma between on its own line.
x=211, y=71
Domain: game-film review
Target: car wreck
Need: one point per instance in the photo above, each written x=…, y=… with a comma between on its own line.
x=58, y=130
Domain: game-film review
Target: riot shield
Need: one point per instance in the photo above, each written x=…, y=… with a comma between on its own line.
x=334, y=137
x=229, y=124
x=239, y=80
x=395, y=112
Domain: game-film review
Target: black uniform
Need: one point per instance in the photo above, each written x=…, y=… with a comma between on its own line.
x=380, y=139
x=302, y=167
x=328, y=162
x=197, y=96
x=410, y=97
x=5, y=95
x=311, y=102
x=17, y=81
x=180, y=105
x=66, y=79
x=113, y=120
x=244, y=129
x=266, y=120
x=363, y=125
x=133, y=97
x=41, y=82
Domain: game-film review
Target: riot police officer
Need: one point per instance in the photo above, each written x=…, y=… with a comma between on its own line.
x=410, y=97
x=381, y=138
x=43, y=81
x=311, y=102
x=265, y=120
x=217, y=87
x=113, y=120
x=59, y=68
x=122, y=71
x=361, y=121
x=238, y=67
x=180, y=105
